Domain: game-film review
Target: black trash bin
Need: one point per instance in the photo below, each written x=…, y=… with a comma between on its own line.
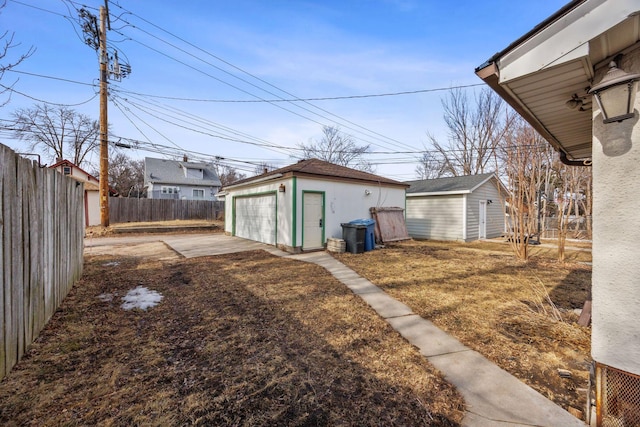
x=354, y=236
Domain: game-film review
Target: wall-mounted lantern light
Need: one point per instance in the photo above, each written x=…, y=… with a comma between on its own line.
x=616, y=93
x=367, y=192
x=489, y=201
x=281, y=188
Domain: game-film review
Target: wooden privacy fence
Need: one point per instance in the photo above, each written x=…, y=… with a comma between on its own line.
x=41, y=229
x=148, y=210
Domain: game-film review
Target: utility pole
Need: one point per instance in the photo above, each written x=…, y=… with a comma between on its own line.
x=96, y=37
x=104, y=137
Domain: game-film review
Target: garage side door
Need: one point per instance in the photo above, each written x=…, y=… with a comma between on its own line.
x=255, y=218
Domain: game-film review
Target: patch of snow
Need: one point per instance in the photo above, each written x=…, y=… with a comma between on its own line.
x=111, y=264
x=142, y=298
x=105, y=297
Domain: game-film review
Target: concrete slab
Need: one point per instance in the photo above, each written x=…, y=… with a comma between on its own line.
x=386, y=306
x=214, y=244
x=361, y=286
x=492, y=395
x=431, y=340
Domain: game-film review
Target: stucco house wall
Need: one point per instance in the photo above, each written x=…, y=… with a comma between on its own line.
x=346, y=201
x=616, y=233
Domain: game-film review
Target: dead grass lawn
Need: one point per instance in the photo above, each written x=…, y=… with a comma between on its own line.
x=496, y=305
x=238, y=340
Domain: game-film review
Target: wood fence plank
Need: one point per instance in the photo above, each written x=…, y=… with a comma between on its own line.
x=4, y=242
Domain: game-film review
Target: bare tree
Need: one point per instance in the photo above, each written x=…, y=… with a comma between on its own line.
x=338, y=148
x=228, y=174
x=573, y=199
x=474, y=132
x=7, y=63
x=126, y=175
x=522, y=161
x=263, y=167
x=430, y=166
x=57, y=131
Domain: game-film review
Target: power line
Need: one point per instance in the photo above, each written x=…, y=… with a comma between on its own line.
x=208, y=123
x=52, y=78
x=376, y=134
x=328, y=98
x=47, y=102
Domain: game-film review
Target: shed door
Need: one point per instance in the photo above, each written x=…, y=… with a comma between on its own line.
x=313, y=218
x=482, y=220
x=255, y=218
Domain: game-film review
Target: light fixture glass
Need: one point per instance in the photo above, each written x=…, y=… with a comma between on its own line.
x=616, y=93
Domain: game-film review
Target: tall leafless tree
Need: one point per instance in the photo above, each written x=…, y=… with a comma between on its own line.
x=338, y=148
x=126, y=175
x=57, y=132
x=430, y=166
x=7, y=62
x=523, y=154
x=474, y=132
x=228, y=174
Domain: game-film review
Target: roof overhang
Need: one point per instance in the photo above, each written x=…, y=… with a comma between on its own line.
x=557, y=60
x=440, y=193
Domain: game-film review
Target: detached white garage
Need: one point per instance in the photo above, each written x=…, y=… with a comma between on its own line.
x=300, y=206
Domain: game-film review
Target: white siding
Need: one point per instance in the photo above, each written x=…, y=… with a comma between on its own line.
x=435, y=217
x=495, y=211
x=345, y=201
x=92, y=205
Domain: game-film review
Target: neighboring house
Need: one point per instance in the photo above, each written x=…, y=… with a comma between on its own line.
x=299, y=206
x=172, y=179
x=91, y=189
x=461, y=208
x=546, y=75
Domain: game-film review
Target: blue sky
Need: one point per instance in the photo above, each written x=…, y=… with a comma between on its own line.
x=249, y=50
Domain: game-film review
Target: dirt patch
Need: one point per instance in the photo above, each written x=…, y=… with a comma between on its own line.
x=175, y=226
x=496, y=305
x=152, y=251
x=245, y=339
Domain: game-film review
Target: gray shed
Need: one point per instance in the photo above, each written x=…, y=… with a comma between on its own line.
x=463, y=208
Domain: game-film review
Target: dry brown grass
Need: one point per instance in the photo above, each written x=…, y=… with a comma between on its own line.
x=496, y=305
x=241, y=340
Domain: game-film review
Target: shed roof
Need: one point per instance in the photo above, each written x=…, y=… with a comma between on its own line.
x=450, y=185
x=163, y=171
x=319, y=169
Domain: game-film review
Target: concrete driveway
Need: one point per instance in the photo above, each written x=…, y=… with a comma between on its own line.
x=165, y=246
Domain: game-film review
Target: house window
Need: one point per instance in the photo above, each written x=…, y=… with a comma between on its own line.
x=198, y=193
x=66, y=170
x=169, y=190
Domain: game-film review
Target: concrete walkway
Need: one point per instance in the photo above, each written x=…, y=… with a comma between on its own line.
x=493, y=397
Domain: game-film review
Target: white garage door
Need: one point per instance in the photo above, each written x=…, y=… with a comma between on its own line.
x=256, y=218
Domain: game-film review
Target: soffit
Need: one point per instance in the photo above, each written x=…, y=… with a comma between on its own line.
x=538, y=76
